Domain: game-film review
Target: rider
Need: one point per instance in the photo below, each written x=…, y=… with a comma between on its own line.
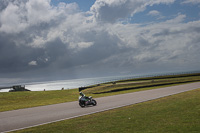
x=83, y=97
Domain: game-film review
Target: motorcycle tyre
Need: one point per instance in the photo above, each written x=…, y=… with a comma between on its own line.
x=94, y=103
x=82, y=105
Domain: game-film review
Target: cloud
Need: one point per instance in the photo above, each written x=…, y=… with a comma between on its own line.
x=18, y=15
x=113, y=10
x=39, y=39
x=191, y=2
x=154, y=13
x=82, y=45
x=165, y=42
x=32, y=63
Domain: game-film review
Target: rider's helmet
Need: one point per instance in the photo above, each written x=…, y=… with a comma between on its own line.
x=81, y=93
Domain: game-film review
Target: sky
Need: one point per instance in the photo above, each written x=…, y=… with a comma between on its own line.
x=44, y=40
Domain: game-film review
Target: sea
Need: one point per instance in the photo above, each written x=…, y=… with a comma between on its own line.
x=84, y=82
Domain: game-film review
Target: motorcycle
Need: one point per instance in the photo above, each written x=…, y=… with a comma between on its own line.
x=85, y=101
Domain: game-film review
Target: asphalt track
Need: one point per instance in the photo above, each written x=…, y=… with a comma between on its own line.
x=30, y=117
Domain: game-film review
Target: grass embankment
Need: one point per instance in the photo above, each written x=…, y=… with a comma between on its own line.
x=141, y=83
x=177, y=113
x=19, y=100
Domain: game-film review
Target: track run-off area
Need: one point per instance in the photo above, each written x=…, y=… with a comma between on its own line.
x=30, y=117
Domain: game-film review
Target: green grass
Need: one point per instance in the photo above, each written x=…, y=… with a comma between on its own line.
x=178, y=113
x=19, y=100
x=132, y=85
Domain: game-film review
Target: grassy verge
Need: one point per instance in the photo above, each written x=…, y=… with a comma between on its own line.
x=139, y=83
x=177, y=113
x=19, y=100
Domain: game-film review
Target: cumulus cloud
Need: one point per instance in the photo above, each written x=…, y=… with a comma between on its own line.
x=167, y=42
x=38, y=39
x=20, y=15
x=113, y=10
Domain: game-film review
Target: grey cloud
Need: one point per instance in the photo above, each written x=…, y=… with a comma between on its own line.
x=68, y=43
x=163, y=44
x=15, y=58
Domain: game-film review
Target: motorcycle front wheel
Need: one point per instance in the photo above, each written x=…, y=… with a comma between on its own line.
x=94, y=103
x=82, y=104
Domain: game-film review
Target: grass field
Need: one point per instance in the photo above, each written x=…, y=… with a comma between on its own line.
x=19, y=100
x=178, y=113
x=138, y=83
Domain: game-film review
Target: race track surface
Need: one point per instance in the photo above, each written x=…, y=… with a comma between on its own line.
x=24, y=118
